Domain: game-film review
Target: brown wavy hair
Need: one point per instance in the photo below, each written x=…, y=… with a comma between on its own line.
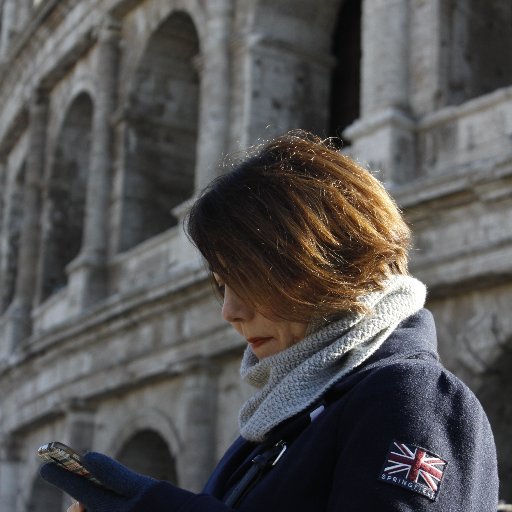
x=299, y=230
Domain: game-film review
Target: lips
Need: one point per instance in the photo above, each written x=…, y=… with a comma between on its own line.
x=256, y=342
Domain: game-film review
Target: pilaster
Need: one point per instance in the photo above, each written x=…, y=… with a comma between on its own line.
x=384, y=70
x=18, y=322
x=88, y=274
x=214, y=70
x=200, y=401
x=80, y=424
x=8, y=26
x=3, y=181
x=3, y=234
x=384, y=135
x=23, y=14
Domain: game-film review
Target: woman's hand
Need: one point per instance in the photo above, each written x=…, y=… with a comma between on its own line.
x=122, y=489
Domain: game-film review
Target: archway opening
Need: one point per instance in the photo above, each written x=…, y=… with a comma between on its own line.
x=63, y=229
x=346, y=74
x=147, y=452
x=161, y=131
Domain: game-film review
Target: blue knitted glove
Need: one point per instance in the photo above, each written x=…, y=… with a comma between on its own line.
x=124, y=489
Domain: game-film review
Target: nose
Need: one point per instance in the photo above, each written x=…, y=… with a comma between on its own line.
x=234, y=309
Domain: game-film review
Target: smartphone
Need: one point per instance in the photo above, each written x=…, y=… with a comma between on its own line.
x=65, y=457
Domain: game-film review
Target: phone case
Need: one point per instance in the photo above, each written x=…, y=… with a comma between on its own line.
x=65, y=457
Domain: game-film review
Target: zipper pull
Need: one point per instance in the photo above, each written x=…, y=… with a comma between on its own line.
x=282, y=448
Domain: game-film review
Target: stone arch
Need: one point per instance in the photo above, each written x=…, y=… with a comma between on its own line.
x=63, y=102
x=135, y=420
x=44, y=497
x=307, y=23
x=470, y=67
x=151, y=18
x=148, y=453
x=65, y=195
x=344, y=107
x=141, y=427
x=13, y=218
x=161, y=131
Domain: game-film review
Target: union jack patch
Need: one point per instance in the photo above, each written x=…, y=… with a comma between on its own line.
x=413, y=468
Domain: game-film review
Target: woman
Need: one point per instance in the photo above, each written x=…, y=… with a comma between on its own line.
x=352, y=410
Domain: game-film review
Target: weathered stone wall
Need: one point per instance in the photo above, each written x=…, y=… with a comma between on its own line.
x=114, y=113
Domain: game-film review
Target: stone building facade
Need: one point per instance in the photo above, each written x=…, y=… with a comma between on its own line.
x=115, y=113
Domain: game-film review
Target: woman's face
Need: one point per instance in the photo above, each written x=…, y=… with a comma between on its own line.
x=265, y=336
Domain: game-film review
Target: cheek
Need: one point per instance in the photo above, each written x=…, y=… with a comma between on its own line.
x=293, y=333
x=299, y=331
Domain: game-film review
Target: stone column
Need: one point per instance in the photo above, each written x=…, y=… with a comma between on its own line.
x=4, y=350
x=385, y=41
x=88, y=275
x=214, y=69
x=384, y=135
x=10, y=465
x=198, y=458
x=3, y=181
x=8, y=26
x=23, y=14
x=80, y=423
x=4, y=234
x=18, y=324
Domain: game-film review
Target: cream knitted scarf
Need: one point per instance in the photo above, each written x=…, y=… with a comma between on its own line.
x=290, y=381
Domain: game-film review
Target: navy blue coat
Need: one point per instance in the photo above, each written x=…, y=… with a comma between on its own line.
x=400, y=433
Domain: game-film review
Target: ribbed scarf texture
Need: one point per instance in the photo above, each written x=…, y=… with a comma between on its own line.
x=290, y=381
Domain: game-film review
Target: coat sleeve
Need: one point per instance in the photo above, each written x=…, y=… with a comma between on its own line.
x=414, y=438
x=167, y=498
